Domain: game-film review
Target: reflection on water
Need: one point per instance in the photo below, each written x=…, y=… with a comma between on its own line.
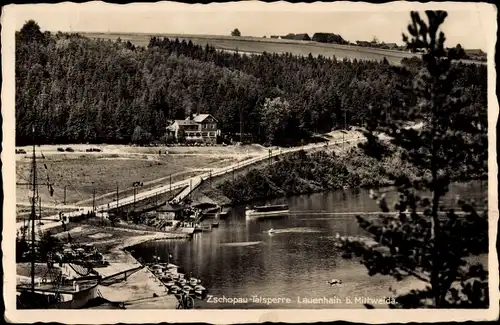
x=241, y=259
x=300, y=230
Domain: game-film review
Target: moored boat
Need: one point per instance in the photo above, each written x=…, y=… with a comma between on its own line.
x=169, y=283
x=199, y=289
x=187, y=289
x=174, y=289
x=267, y=211
x=56, y=295
x=224, y=212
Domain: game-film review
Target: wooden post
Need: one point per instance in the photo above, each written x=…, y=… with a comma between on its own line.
x=345, y=129
x=135, y=187
x=241, y=126
x=40, y=207
x=93, y=200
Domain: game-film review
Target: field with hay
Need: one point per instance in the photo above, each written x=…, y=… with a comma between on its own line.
x=255, y=45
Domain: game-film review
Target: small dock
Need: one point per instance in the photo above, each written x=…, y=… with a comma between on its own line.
x=141, y=290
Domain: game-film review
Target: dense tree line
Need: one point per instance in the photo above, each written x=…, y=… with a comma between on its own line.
x=301, y=173
x=84, y=90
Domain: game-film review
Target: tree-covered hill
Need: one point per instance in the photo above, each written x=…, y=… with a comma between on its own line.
x=85, y=90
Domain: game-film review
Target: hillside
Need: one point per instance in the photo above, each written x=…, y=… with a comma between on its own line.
x=82, y=90
x=254, y=45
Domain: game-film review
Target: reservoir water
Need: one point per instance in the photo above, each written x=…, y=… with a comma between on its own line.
x=242, y=261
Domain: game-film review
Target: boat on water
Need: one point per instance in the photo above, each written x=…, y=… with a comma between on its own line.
x=271, y=231
x=266, y=211
x=224, y=212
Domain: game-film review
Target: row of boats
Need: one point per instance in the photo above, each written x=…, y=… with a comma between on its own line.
x=176, y=282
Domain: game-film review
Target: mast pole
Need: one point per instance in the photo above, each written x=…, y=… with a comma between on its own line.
x=33, y=215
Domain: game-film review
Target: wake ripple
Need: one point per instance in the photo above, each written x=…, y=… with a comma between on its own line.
x=295, y=230
x=241, y=244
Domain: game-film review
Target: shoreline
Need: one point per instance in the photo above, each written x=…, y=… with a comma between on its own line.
x=141, y=289
x=380, y=187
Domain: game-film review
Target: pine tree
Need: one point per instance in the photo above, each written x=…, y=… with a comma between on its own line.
x=444, y=143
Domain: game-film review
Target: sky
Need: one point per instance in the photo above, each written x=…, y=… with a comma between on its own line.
x=466, y=23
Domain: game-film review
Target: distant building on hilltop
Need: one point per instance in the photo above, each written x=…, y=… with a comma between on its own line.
x=362, y=43
x=474, y=52
x=296, y=37
x=288, y=36
x=302, y=37
x=375, y=44
x=330, y=38
x=391, y=46
x=196, y=128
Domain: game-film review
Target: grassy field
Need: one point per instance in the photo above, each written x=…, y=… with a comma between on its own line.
x=255, y=45
x=84, y=173
x=23, y=212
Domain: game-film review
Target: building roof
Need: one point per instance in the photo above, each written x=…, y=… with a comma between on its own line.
x=201, y=200
x=170, y=207
x=186, y=122
x=201, y=117
x=473, y=51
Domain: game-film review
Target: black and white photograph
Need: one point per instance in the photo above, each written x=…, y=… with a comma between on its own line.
x=263, y=161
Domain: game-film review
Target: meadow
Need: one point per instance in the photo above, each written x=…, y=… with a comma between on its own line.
x=255, y=45
x=82, y=174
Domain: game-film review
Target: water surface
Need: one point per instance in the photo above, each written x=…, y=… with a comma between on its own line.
x=241, y=260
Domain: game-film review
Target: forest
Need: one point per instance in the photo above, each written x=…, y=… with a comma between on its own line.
x=81, y=90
